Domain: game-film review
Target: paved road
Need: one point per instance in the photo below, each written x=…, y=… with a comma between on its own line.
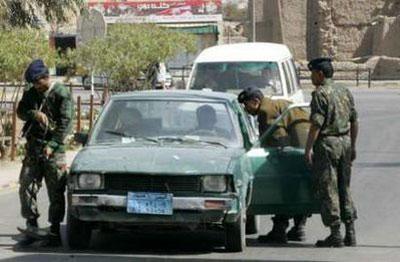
x=375, y=185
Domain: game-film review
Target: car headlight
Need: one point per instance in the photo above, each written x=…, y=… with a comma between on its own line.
x=214, y=184
x=90, y=181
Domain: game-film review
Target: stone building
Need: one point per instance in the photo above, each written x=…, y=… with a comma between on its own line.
x=347, y=30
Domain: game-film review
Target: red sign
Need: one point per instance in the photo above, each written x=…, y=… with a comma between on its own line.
x=159, y=11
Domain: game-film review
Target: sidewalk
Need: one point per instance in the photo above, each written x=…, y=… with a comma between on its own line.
x=9, y=171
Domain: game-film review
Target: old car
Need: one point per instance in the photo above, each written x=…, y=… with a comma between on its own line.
x=184, y=160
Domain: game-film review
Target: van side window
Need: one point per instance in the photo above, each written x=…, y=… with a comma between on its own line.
x=295, y=75
x=288, y=78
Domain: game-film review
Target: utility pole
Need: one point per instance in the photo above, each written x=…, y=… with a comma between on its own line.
x=253, y=26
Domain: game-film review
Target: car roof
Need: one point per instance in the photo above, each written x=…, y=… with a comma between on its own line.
x=176, y=95
x=250, y=52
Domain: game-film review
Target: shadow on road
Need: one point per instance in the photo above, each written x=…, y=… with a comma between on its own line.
x=159, y=244
x=105, y=258
x=128, y=243
x=255, y=243
x=127, y=247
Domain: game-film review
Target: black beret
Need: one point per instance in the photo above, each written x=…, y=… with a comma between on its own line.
x=320, y=63
x=36, y=70
x=250, y=93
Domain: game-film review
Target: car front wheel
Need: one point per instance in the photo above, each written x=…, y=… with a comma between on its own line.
x=235, y=234
x=78, y=233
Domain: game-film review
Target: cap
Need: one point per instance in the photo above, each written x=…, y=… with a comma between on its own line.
x=320, y=63
x=250, y=93
x=36, y=70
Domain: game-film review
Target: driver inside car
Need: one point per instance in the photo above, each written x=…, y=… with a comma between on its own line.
x=130, y=122
x=207, y=119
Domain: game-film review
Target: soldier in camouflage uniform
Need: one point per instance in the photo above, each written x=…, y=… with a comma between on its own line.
x=330, y=151
x=292, y=130
x=47, y=108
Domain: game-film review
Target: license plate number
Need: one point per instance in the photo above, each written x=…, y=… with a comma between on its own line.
x=149, y=203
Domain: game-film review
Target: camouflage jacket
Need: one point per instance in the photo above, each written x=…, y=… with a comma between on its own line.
x=332, y=109
x=58, y=107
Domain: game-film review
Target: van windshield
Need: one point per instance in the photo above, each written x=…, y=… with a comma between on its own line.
x=225, y=76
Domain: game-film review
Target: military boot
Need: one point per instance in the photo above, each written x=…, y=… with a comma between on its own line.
x=297, y=232
x=53, y=237
x=26, y=240
x=278, y=233
x=333, y=240
x=350, y=238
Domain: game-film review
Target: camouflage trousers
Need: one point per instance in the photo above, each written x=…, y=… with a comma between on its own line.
x=331, y=179
x=34, y=169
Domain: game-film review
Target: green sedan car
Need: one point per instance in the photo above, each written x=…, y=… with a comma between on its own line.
x=181, y=160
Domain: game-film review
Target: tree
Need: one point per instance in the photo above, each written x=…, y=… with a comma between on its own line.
x=22, y=13
x=128, y=50
x=231, y=12
x=18, y=47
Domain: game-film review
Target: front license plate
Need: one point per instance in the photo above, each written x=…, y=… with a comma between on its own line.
x=149, y=203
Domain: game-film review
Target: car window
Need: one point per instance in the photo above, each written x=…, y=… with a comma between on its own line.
x=184, y=121
x=295, y=72
x=288, y=77
x=225, y=76
x=290, y=129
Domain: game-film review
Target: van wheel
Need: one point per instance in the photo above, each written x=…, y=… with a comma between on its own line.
x=78, y=233
x=235, y=237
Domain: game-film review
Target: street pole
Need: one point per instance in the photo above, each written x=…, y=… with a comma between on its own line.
x=254, y=19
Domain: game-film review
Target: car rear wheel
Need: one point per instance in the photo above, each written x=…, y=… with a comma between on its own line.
x=78, y=232
x=235, y=234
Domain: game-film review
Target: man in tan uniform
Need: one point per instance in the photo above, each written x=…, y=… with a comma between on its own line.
x=291, y=131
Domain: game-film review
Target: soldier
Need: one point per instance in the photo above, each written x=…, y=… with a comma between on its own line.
x=47, y=108
x=291, y=131
x=330, y=151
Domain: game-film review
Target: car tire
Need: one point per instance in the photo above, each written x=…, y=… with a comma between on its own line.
x=235, y=234
x=252, y=224
x=78, y=233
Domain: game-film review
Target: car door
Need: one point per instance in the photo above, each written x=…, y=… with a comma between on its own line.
x=282, y=181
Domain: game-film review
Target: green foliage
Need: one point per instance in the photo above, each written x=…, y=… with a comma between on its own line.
x=128, y=51
x=22, y=13
x=232, y=13
x=18, y=47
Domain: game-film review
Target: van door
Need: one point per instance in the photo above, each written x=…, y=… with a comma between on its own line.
x=282, y=181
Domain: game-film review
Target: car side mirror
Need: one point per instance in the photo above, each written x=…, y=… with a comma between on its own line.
x=81, y=138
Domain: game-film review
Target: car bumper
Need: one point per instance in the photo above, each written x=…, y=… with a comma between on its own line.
x=186, y=210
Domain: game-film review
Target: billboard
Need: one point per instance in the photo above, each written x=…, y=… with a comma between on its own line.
x=161, y=11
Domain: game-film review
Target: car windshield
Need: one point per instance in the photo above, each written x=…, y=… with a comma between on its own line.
x=161, y=121
x=237, y=75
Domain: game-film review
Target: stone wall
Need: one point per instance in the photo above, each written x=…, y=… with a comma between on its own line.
x=343, y=29
x=386, y=37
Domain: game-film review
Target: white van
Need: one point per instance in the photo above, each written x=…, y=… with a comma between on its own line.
x=230, y=68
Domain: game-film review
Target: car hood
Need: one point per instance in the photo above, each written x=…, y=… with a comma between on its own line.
x=173, y=160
